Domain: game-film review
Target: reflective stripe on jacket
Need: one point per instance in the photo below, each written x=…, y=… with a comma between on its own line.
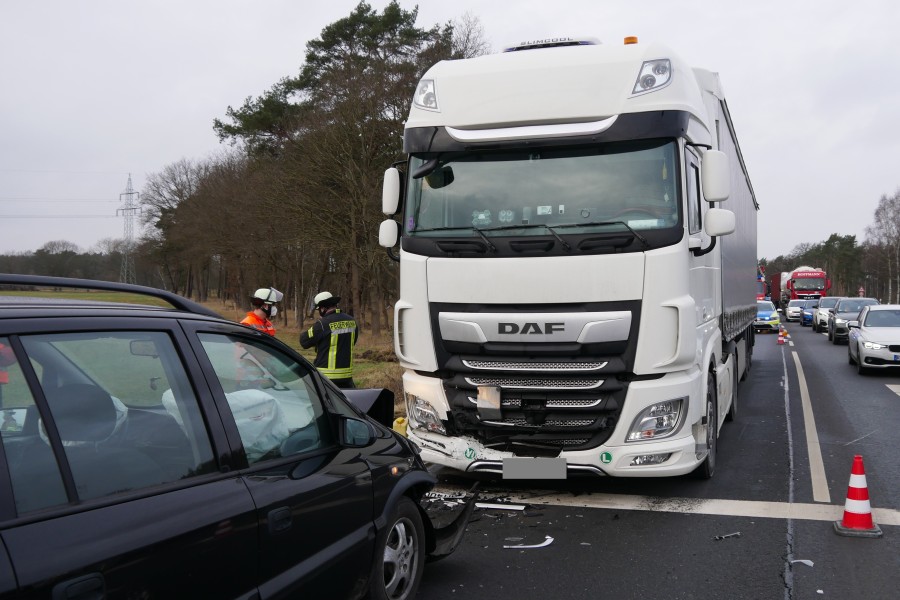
x=334, y=336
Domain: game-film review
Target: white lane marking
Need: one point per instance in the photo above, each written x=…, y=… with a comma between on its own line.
x=894, y=388
x=816, y=464
x=697, y=506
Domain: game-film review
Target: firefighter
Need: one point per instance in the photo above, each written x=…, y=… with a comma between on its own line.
x=263, y=302
x=334, y=336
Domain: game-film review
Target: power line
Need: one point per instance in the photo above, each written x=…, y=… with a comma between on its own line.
x=58, y=216
x=47, y=199
x=66, y=172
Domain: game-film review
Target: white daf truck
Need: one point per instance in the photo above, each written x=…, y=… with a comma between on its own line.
x=577, y=248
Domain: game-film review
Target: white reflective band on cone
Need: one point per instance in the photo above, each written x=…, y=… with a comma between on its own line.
x=859, y=507
x=857, y=481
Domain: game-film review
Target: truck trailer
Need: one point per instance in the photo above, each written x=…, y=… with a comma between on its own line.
x=574, y=298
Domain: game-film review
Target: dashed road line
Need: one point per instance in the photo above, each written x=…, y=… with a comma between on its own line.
x=816, y=464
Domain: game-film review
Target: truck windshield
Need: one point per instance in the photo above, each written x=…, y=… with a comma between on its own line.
x=625, y=186
x=809, y=284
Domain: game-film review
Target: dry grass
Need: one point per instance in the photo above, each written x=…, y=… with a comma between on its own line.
x=375, y=364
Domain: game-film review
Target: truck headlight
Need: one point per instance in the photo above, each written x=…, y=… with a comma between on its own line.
x=426, y=95
x=657, y=421
x=654, y=74
x=422, y=415
x=873, y=346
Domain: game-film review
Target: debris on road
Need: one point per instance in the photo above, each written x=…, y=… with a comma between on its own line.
x=547, y=541
x=728, y=535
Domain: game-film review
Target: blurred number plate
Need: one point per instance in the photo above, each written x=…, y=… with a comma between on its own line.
x=489, y=403
x=534, y=468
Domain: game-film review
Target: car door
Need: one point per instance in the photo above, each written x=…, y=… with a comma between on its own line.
x=117, y=488
x=314, y=496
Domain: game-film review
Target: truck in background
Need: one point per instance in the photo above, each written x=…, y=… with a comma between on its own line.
x=807, y=283
x=572, y=298
x=775, y=281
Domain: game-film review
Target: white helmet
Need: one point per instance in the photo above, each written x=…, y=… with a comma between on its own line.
x=325, y=299
x=268, y=295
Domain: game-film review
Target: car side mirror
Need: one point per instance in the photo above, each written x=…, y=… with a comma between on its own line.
x=355, y=433
x=853, y=324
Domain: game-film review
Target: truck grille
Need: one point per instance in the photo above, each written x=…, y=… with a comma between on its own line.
x=551, y=402
x=521, y=422
x=535, y=383
x=495, y=365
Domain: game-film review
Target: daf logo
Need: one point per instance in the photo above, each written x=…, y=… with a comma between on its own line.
x=530, y=328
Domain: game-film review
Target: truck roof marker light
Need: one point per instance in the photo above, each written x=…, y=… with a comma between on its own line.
x=426, y=95
x=654, y=75
x=631, y=39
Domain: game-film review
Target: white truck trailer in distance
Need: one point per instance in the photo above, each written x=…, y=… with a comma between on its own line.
x=573, y=299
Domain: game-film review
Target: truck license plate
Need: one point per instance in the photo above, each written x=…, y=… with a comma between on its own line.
x=534, y=468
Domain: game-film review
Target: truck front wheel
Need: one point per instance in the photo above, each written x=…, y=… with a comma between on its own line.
x=708, y=467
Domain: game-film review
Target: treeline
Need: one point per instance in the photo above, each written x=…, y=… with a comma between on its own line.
x=871, y=265
x=294, y=199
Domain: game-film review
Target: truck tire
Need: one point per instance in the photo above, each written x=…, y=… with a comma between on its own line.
x=732, y=410
x=707, y=468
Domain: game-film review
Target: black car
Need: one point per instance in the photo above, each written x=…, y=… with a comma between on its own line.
x=844, y=311
x=165, y=452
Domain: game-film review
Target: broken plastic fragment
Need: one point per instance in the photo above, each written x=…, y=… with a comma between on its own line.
x=547, y=541
x=806, y=562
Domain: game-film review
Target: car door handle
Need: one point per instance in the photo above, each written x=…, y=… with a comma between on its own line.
x=87, y=587
x=280, y=520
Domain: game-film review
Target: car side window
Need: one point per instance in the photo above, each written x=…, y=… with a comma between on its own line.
x=272, y=398
x=36, y=480
x=123, y=410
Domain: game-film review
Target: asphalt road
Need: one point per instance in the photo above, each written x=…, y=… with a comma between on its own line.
x=781, y=483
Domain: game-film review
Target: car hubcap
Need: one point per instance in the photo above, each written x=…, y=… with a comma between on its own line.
x=400, y=555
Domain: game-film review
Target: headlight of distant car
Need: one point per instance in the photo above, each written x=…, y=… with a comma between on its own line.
x=873, y=346
x=839, y=321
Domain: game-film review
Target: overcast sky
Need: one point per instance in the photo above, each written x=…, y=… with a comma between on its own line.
x=93, y=91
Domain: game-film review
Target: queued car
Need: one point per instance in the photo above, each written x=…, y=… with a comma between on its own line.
x=767, y=317
x=846, y=310
x=793, y=310
x=874, y=339
x=820, y=318
x=809, y=310
x=165, y=452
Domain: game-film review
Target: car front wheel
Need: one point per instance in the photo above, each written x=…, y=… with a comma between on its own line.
x=399, y=555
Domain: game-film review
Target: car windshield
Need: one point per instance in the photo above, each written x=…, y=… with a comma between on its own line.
x=796, y=303
x=883, y=318
x=853, y=306
x=828, y=302
x=764, y=306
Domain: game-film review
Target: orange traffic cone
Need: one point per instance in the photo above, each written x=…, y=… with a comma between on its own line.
x=780, y=337
x=857, y=510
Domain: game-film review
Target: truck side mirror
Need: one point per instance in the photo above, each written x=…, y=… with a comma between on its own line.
x=390, y=192
x=719, y=221
x=715, y=176
x=388, y=233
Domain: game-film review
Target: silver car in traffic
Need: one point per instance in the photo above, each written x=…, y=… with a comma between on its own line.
x=874, y=341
